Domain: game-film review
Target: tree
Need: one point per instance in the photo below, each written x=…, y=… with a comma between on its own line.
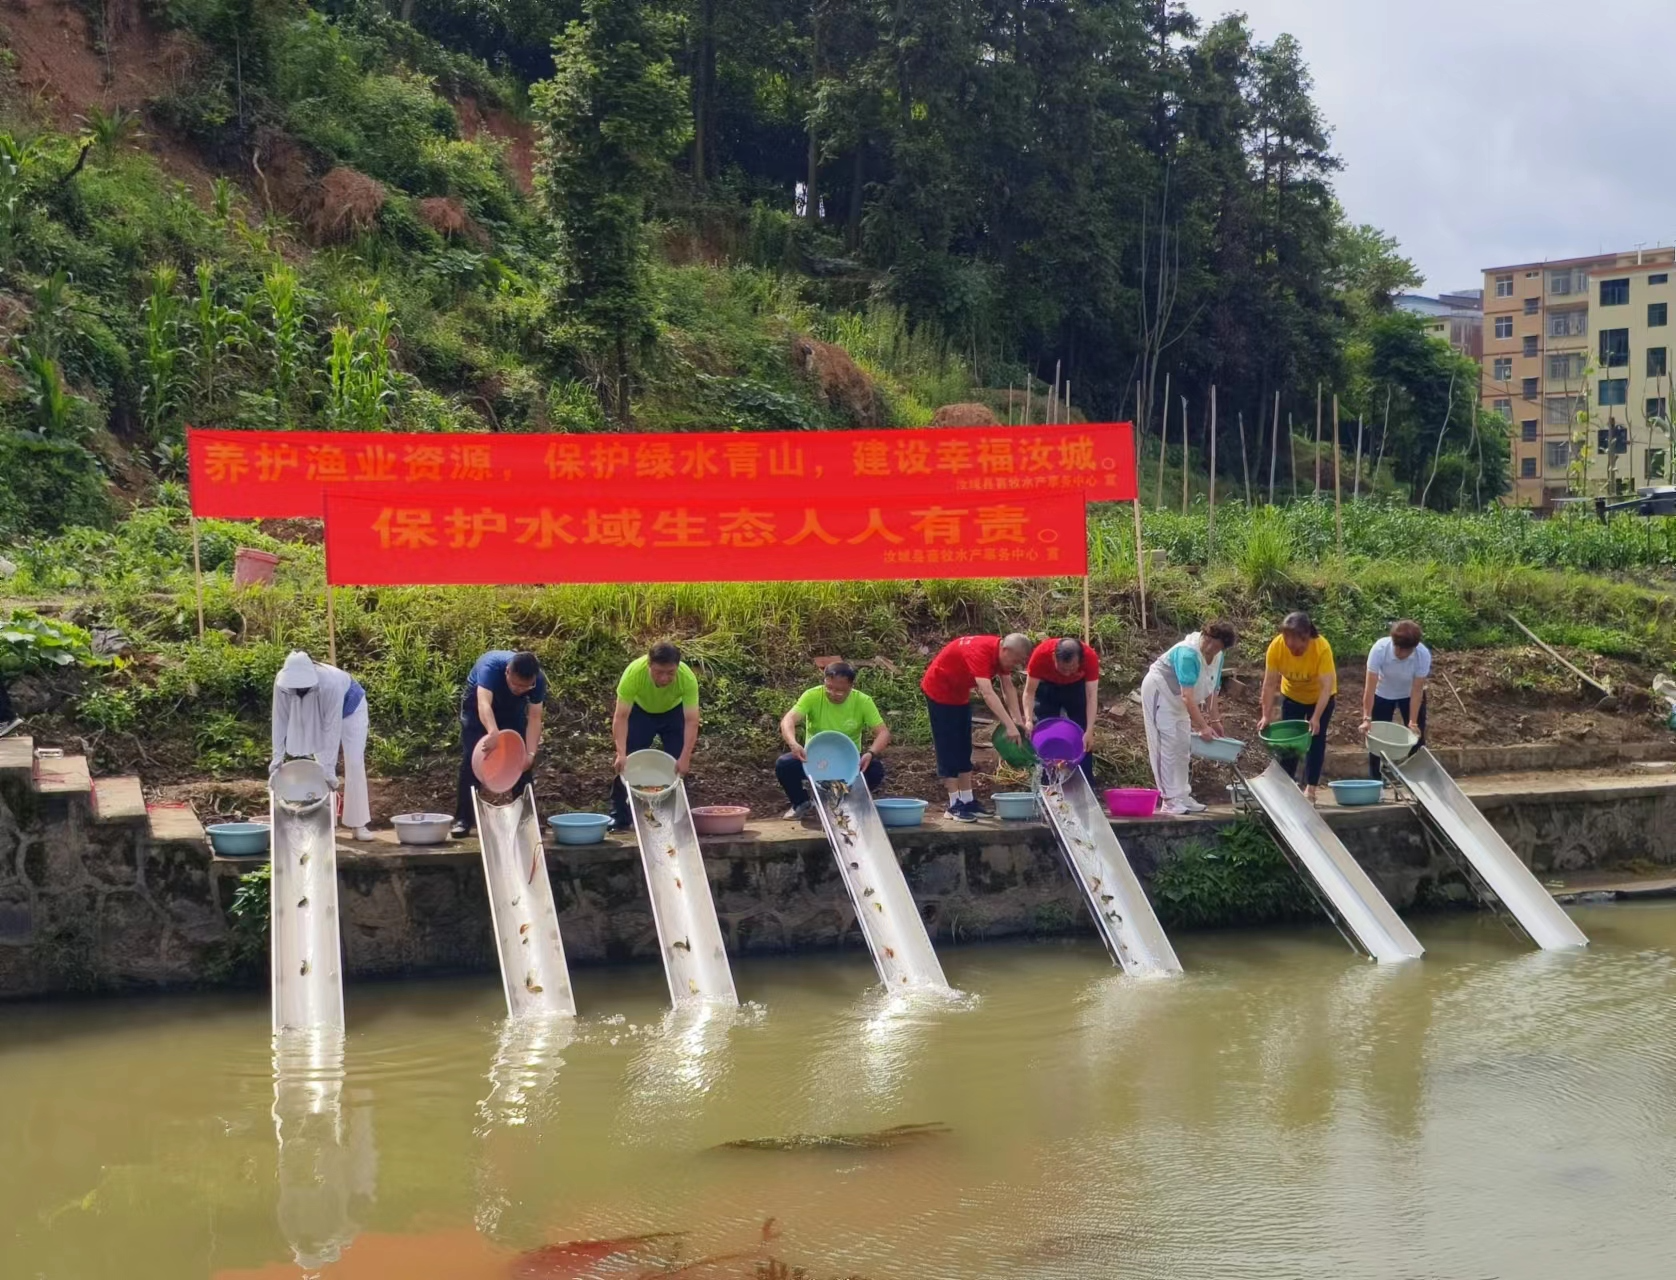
x=612, y=118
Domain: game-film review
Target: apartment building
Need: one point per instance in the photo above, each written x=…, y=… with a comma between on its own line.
x=1455, y=318
x=1577, y=359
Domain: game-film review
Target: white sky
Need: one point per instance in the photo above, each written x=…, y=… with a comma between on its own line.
x=1488, y=132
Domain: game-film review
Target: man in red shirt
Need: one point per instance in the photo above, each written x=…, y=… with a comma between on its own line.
x=1062, y=678
x=962, y=665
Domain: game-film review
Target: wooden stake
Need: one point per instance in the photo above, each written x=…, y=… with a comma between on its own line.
x=1054, y=403
x=1356, y=490
x=331, y=629
x=1140, y=560
x=1065, y=409
x=1317, y=437
x=1085, y=611
x=1210, y=526
x=1163, y=442
x=1292, y=455
x=1010, y=421
x=1274, y=444
x=1029, y=385
x=1338, y=489
x=198, y=576
x=1184, y=455
x=1245, y=461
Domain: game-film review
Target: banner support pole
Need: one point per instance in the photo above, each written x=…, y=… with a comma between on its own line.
x=198, y=577
x=1140, y=559
x=331, y=628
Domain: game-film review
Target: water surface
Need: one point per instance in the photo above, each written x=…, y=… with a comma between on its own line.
x=1284, y=1110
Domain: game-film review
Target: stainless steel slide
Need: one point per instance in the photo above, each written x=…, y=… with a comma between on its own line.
x=1328, y=863
x=1458, y=820
x=305, y=958
x=689, y=935
x=532, y=962
x=884, y=906
x=1101, y=869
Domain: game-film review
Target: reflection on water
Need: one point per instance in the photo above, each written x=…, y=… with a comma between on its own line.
x=1282, y=1109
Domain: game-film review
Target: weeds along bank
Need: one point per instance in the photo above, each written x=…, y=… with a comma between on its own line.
x=178, y=709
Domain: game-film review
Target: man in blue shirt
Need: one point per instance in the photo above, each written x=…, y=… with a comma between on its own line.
x=505, y=690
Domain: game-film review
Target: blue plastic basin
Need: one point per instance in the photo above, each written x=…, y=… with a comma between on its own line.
x=1015, y=806
x=831, y=757
x=579, y=828
x=1355, y=792
x=900, y=813
x=239, y=839
x=1223, y=750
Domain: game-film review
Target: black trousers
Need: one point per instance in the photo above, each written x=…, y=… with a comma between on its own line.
x=1069, y=700
x=666, y=728
x=6, y=713
x=1316, y=756
x=1389, y=709
x=471, y=733
x=795, y=783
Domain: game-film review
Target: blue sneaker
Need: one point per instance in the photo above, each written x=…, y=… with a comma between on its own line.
x=960, y=812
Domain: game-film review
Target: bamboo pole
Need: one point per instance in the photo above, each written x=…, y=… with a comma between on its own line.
x=1029, y=385
x=1274, y=444
x=1010, y=421
x=1163, y=442
x=1053, y=408
x=1338, y=488
x=1140, y=559
x=1086, y=631
x=1356, y=490
x=1184, y=455
x=1210, y=526
x=1245, y=461
x=1292, y=455
x=1317, y=437
x=1065, y=409
x=198, y=576
x=331, y=629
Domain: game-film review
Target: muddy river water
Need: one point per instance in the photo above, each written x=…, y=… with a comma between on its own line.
x=1286, y=1110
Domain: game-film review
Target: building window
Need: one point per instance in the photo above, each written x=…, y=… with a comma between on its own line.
x=1531, y=305
x=1657, y=359
x=1657, y=409
x=1530, y=388
x=1655, y=464
x=1568, y=324
x=1527, y=430
x=1504, y=326
x=1613, y=438
x=1504, y=286
x=1563, y=411
x=1663, y=277
x=1503, y=368
x=1614, y=348
x=1503, y=407
x=1614, y=391
x=1530, y=344
x=1614, y=293
x=1658, y=315
x=1566, y=368
x=1527, y=468
x=1559, y=455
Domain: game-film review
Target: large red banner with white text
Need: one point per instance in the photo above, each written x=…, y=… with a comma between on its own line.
x=247, y=475
x=407, y=535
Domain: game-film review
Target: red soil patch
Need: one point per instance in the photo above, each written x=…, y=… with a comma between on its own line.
x=519, y=136
x=846, y=388
x=965, y=415
x=447, y=216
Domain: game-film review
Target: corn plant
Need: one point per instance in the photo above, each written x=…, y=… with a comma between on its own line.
x=217, y=333
x=52, y=405
x=286, y=334
x=360, y=389
x=18, y=164
x=163, y=377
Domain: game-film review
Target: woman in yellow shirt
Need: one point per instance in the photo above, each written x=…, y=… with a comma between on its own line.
x=1301, y=683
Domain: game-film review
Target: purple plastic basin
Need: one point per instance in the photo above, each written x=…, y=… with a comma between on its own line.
x=1058, y=741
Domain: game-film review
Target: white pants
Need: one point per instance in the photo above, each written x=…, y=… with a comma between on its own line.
x=357, y=807
x=1169, y=729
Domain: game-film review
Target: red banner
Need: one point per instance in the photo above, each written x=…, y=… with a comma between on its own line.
x=248, y=475
x=403, y=536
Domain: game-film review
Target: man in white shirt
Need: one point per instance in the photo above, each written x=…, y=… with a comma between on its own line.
x=1399, y=667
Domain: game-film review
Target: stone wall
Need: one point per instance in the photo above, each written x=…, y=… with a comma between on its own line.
x=89, y=907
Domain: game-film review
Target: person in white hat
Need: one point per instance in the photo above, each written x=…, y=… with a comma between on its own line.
x=318, y=711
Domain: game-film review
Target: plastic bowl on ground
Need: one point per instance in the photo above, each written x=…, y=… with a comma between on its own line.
x=831, y=757
x=1222, y=750
x=422, y=828
x=1352, y=793
x=1131, y=802
x=239, y=839
x=720, y=819
x=499, y=760
x=1058, y=741
x=579, y=828
x=1018, y=754
x=1393, y=742
x=1015, y=806
x=901, y=813
x=1286, y=735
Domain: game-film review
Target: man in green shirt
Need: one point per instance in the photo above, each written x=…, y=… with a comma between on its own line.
x=657, y=701
x=837, y=705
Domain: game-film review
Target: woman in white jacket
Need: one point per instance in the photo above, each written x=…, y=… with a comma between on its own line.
x=319, y=710
x=1181, y=696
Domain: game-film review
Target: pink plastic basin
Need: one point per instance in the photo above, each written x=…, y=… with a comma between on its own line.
x=720, y=819
x=1058, y=741
x=1131, y=802
x=499, y=760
